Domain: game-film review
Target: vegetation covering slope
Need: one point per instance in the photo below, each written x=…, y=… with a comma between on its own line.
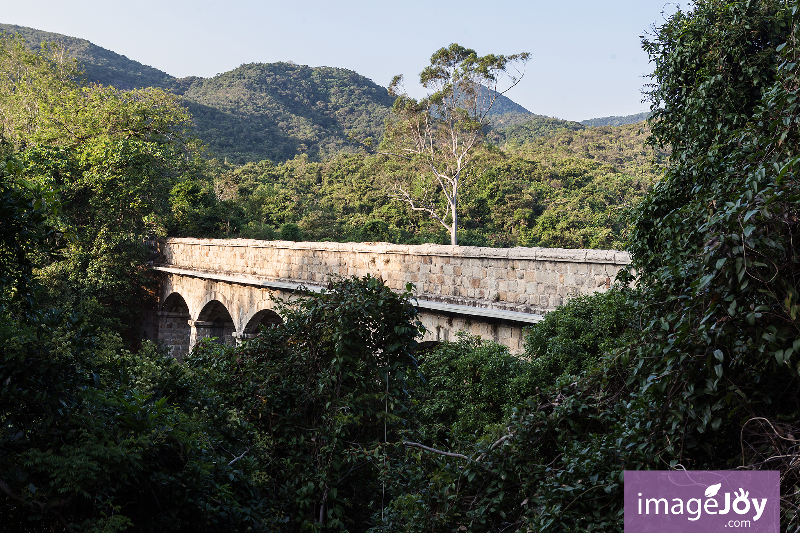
x=617, y=121
x=557, y=202
x=518, y=129
x=99, y=64
x=259, y=111
x=279, y=110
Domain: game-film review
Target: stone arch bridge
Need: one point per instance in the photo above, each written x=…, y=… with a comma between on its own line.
x=222, y=288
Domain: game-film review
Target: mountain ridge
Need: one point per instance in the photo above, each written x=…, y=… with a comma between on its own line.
x=279, y=110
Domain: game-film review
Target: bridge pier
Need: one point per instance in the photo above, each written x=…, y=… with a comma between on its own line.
x=174, y=332
x=220, y=332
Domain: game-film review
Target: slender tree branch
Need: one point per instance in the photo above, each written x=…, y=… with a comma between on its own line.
x=399, y=193
x=434, y=450
x=497, y=443
x=239, y=457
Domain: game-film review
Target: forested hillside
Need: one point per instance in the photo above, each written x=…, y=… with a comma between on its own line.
x=518, y=129
x=571, y=192
x=279, y=110
x=617, y=121
x=99, y=65
x=259, y=111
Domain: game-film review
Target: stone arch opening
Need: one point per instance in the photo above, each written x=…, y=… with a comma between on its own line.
x=266, y=318
x=174, y=330
x=426, y=347
x=214, y=322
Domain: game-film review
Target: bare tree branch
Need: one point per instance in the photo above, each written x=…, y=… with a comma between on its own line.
x=239, y=457
x=434, y=450
x=497, y=443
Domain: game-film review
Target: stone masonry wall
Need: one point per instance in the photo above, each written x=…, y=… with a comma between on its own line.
x=527, y=280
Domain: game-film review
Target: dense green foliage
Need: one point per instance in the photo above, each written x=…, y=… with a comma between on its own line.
x=99, y=65
x=25, y=236
x=617, y=121
x=471, y=386
x=101, y=439
x=93, y=437
x=715, y=241
x=327, y=422
x=110, y=157
x=530, y=129
x=625, y=148
x=556, y=201
x=573, y=338
x=490, y=412
x=323, y=393
x=279, y=110
x=464, y=387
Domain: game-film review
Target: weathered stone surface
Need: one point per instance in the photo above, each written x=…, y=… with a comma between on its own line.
x=526, y=280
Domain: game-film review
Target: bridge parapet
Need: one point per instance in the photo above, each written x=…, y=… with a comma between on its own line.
x=523, y=280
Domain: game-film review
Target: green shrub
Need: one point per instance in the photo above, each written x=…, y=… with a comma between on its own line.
x=571, y=338
x=291, y=232
x=322, y=394
x=465, y=386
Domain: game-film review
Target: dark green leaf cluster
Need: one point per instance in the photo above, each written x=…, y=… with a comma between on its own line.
x=464, y=387
x=27, y=236
x=96, y=438
x=324, y=392
x=573, y=338
x=93, y=437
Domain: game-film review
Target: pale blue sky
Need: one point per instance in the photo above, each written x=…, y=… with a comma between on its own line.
x=586, y=55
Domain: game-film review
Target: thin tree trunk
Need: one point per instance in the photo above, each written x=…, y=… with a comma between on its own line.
x=454, y=228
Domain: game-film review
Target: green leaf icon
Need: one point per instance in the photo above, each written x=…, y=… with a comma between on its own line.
x=713, y=490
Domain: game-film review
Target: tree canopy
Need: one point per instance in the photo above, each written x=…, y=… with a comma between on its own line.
x=441, y=133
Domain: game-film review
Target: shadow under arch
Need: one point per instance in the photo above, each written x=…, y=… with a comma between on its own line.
x=214, y=322
x=266, y=318
x=174, y=330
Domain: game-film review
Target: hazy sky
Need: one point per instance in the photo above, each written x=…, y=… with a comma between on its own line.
x=586, y=61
